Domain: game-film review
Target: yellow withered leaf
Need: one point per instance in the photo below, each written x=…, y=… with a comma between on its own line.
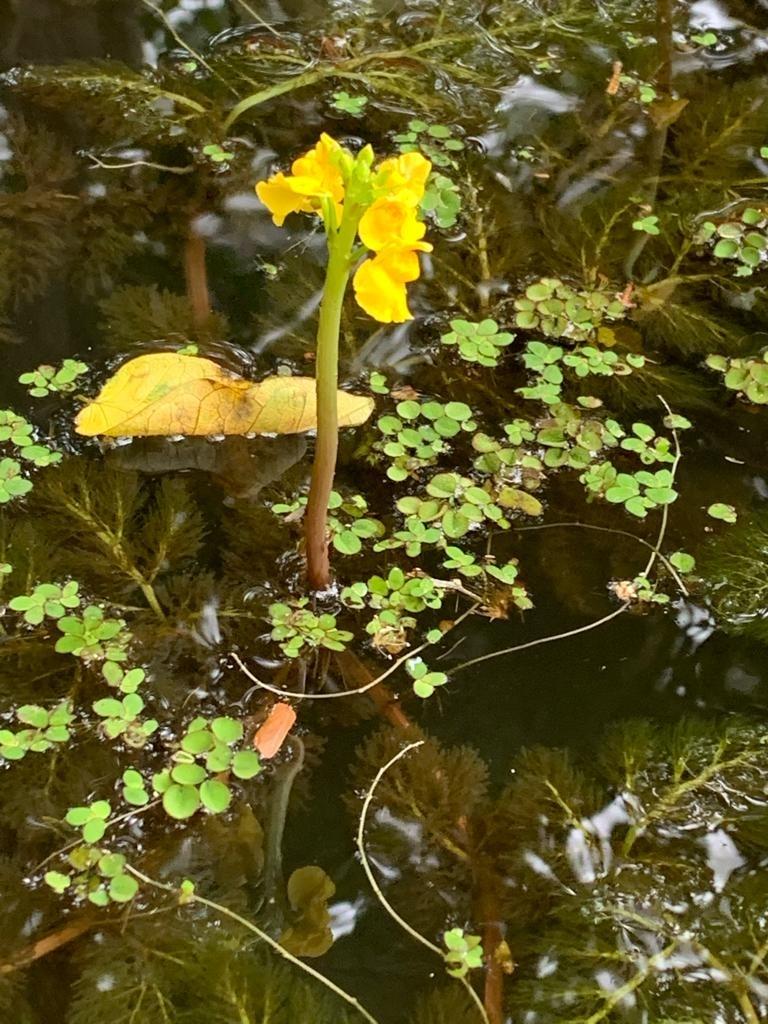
x=524, y=501
x=166, y=394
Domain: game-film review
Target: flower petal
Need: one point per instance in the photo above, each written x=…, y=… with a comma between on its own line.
x=399, y=263
x=390, y=222
x=280, y=198
x=404, y=177
x=380, y=283
x=317, y=173
x=381, y=296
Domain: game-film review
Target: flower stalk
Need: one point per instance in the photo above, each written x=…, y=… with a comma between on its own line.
x=380, y=206
x=337, y=274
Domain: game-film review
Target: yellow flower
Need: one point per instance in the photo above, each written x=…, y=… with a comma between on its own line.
x=314, y=176
x=404, y=177
x=390, y=221
x=389, y=227
x=380, y=284
x=280, y=198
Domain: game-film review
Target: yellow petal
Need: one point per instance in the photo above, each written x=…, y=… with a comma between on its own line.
x=400, y=264
x=388, y=222
x=381, y=295
x=280, y=198
x=405, y=177
x=165, y=393
x=323, y=154
x=314, y=190
x=318, y=173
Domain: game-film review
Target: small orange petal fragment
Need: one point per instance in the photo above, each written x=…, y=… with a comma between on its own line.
x=270, y=736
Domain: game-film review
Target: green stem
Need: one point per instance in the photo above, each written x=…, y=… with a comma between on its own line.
x=284, y=777
x=340, y=245
x=115, y=548
x=149, y=593
x=614, y=999
x=257, y=98
x=341, y=70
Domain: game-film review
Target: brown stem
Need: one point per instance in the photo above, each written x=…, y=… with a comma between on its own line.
x=493, y=995
x=49, y=943
x=386, y=703
x=664, y=40
x=487, y=912
x=658, y=138
x=197, y=277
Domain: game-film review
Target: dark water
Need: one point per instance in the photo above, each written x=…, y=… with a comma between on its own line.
x=668, y=928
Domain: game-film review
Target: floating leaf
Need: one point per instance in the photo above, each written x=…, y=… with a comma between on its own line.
x=123, y=888
x=93, y=830
x=704, y=39
x=683, y=561
x=180, y=801
x=166, y=394
x=188, y=774
x=246, y=764
x=514, y=498
x=197, y=741
x=722, y=511
x=228, y=730
x=215, y=795
x=57, y=881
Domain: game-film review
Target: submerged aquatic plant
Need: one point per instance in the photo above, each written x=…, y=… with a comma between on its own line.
x=592, y=856
x=735, y=568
